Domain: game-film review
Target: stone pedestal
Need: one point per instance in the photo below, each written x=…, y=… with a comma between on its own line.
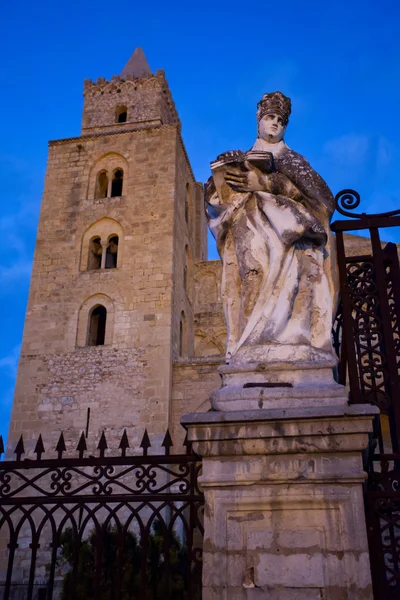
x=284, y=516
x=286, y=376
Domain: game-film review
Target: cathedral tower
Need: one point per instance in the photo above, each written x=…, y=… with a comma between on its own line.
x=110, y=302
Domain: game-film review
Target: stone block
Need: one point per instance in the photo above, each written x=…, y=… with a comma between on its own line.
x=279, y=523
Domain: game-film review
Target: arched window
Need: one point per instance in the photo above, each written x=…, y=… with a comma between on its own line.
x=96, y=321
x=185, y=270
x=112, y=252
x=188, y=274
x=117, y=182
x=121, y=114
x=97, y=326
x=95, y=252
x=182, y=335
x=102, y=185
x=187, y=203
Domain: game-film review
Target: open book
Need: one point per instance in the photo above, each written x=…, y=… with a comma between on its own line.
x=261, y=160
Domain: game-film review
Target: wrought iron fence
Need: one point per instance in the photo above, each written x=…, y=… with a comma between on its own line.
x=367, y=338
x=101, y=527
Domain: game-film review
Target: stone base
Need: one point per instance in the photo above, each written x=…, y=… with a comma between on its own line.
x=238, y=398
x=278, y=384
x=284, y=517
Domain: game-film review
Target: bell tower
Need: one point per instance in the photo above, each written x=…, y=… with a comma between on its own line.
x=110, y=302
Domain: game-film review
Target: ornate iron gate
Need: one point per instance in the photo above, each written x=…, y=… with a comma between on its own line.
x=101, y=527
x=367, y=338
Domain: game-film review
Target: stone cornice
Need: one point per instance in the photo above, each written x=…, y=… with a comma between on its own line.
x=136, y=129
x=91, y=136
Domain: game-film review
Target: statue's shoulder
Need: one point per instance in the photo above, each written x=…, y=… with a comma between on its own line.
x=295, y=163
x=299, y=170
x=290, y=156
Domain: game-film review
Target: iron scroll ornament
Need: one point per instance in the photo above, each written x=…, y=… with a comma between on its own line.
x=350, y=199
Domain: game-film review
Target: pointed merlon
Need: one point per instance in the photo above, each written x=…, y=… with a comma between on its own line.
x=19, y=449
x=39, y=448
x=81, y=447
x=124, y=443
x=102, y=445
x=167, y=443
x=145, y=444
x=60, y=448
x=137, y=66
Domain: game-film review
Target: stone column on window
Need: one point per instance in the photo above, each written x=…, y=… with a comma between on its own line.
x=104, y=245
x=109, y=187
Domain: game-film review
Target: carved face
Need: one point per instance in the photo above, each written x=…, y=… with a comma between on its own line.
x=271, y=128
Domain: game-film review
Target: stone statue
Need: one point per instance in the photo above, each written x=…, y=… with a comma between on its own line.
x=269, y=212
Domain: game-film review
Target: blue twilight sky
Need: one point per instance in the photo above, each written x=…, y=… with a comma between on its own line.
x=338, y=60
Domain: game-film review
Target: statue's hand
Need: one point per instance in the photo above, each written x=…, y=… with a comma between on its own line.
x=247, y=181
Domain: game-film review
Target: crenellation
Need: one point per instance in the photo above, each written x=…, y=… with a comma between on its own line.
x=147, y=99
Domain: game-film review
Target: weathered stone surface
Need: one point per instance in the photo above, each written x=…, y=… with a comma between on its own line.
x=279, y=383
x=270, y=213
x=284, y=508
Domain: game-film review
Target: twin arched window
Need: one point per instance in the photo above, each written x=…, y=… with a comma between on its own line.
x=109, y=187
x=102, y=244
x=103, y=255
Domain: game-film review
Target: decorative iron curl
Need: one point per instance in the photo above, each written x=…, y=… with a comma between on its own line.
x=60, y=481
x=350, y=199
x=5, y=486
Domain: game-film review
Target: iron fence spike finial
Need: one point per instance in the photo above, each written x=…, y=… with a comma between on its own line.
x=81, y=447
x=187, y=445
x=124, y=443
x=145, y=443
x=39, y=448
x=19, y=449
x=167, y=442
x=60, y=448
x=102, y=445
x=1, y=445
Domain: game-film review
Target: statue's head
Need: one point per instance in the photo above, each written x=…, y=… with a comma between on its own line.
x=273, y=112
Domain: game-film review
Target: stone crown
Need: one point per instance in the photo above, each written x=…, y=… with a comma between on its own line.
x=275, y=102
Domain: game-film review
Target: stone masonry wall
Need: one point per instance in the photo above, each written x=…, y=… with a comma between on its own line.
x=148, y=100
x=132, y=385
x=193, y=380
x=184, y=256
x=209, y=318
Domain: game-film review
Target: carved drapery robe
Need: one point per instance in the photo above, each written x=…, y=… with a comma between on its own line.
x=279, y=273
